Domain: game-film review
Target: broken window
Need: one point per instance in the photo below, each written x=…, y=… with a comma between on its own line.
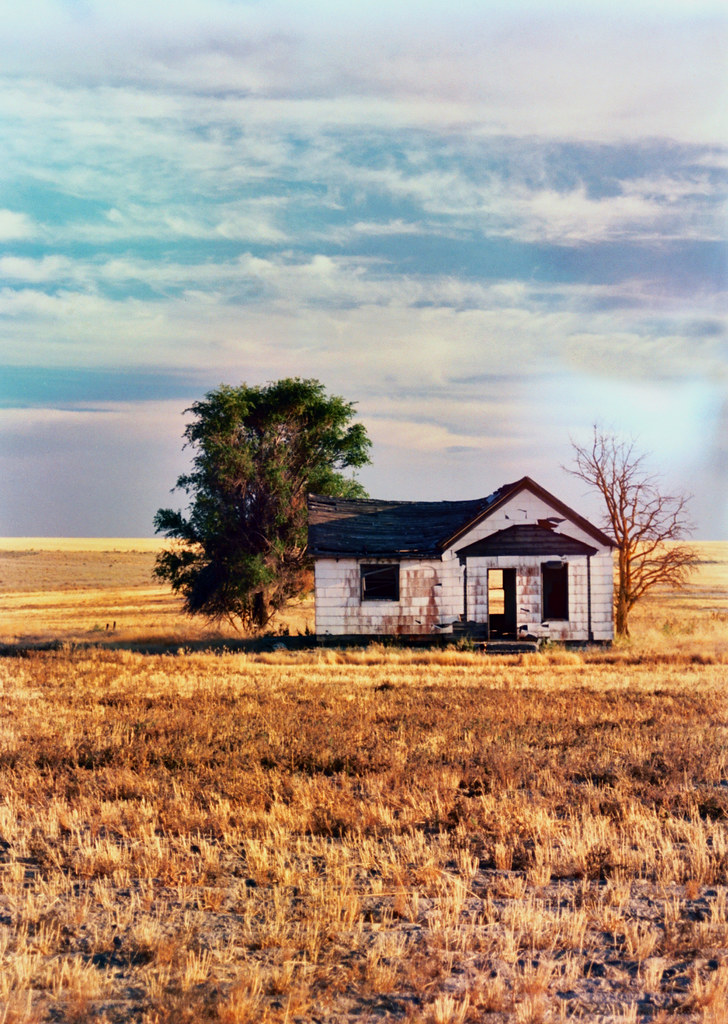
x=496, y=592
x=555, y=579
x=380, y=583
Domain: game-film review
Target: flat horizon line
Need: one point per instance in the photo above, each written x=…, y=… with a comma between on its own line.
x=82, y=543
x=149, y=543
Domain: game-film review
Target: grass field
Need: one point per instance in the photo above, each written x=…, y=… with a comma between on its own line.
x=362, y=835
x=96, y=590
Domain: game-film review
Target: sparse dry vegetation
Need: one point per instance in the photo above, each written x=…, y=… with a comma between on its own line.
x=373, y=834
x=99, y=590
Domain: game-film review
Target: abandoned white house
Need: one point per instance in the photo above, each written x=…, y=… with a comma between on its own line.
x=517, y=563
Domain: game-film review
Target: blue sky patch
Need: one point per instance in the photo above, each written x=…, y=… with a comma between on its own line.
x=449, y=226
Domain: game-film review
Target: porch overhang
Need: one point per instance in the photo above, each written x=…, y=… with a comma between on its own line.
x=526, y=539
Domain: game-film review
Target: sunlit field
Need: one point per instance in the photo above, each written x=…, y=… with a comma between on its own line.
x=100, y=590
x=358, y=835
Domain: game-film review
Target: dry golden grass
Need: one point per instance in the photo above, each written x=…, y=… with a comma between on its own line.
x=372, y=834
x=100, y=590
x=74, y=544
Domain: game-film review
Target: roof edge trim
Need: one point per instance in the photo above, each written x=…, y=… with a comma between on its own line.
x=527, y=483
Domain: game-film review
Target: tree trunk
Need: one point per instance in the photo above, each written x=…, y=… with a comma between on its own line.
x=259, y=612
x=622, y=623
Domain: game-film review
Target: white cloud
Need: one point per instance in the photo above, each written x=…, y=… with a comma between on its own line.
x=573, y=217
x=77, y=433
x=15, y=226
x=220, y=164
x=333, y=318
x=45, y=269
x=663, y=208
x=178, y=166
x=391, y=227
x=596, y=72
x=416, y=435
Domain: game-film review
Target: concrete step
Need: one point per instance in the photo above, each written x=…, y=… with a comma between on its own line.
x=508, y=646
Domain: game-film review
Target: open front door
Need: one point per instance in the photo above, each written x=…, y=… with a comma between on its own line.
x=502, y=603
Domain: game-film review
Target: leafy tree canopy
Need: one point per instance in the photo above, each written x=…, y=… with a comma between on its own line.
x=258, y=451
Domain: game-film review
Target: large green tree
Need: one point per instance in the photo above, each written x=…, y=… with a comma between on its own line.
x=241, y=549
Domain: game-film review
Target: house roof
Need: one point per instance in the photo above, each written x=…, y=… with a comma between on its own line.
x=526, y=539
x=383, y=529
x=527, y=484
x=340, y=527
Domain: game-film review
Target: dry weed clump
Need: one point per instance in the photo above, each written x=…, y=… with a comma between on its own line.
x=230, y=838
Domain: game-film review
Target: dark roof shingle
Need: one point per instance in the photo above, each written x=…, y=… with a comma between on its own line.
x=526, y=539
x=384, y=529
x=340, y=527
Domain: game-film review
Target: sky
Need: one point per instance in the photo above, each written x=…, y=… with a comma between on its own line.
x=491, y=225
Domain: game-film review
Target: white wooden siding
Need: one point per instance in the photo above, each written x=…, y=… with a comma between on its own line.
x=529, y=606
x=431, y=591
x=522, y=508
x=430, y=598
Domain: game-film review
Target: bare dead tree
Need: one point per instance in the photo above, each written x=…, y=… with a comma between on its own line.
x=644, y=521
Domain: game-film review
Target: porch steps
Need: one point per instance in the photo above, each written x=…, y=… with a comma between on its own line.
x=508, y=646
x=477, y=632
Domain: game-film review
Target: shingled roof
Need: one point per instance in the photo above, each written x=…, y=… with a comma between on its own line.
x=340, y=527
x=526, y=539
x=384, y=529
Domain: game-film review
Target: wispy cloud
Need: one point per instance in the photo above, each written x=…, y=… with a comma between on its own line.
x=599, y=72
x=14, y=226
x=343, y=313
x=466, y=220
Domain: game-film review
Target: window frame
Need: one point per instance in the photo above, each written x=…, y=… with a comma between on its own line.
x=496, y=594
x=371, y=568
x=554, y=570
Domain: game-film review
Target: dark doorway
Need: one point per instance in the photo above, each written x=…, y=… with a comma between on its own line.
x=502, y=603
x=555, y=590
